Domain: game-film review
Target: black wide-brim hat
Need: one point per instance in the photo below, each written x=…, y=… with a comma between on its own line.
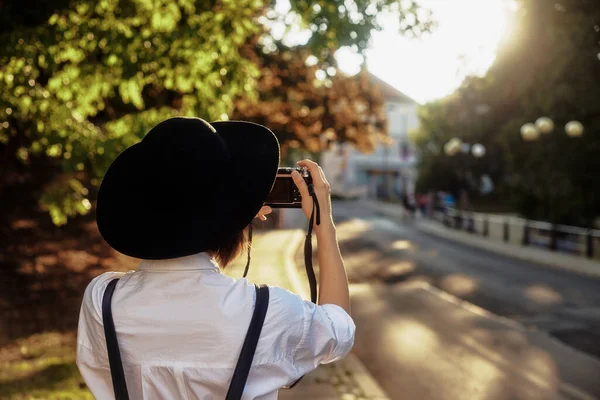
x=186, y=187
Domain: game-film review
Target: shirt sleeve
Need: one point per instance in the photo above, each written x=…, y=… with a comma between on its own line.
x=92, y=359
x=90, y=330
x=95, y=374
x=328, y=336
x=324, y=333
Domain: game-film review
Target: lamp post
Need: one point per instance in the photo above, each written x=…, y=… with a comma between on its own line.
x=388, y=142
x=531, y=132
x=452, y=148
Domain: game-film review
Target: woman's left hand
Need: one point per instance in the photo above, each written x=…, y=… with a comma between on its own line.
x=264, y=211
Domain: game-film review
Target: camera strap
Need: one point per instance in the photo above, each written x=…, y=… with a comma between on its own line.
x=310, y=272
x=315, y=218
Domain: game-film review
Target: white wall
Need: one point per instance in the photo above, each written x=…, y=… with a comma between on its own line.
x=402, y=118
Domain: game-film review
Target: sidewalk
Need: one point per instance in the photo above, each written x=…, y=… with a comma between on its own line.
x=273, y=263
x=579, y=265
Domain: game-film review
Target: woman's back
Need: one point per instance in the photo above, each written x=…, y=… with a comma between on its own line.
x=181, y=325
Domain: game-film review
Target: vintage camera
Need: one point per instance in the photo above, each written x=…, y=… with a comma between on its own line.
x=285, y=194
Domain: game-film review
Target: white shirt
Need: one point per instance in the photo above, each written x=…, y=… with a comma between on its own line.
x=181, y=324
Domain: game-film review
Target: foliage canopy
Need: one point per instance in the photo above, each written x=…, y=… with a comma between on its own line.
x=82, y=80
x=549, y=66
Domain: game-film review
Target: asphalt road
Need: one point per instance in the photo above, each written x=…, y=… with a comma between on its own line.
x=422, y=344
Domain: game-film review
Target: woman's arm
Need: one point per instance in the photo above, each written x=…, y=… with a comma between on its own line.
x=333, y=282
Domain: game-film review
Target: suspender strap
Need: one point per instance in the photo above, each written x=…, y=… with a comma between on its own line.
x=112, y=345
x=242, y=369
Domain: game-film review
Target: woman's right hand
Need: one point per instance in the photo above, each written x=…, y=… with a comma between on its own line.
x=322, y=190
x=333, y=282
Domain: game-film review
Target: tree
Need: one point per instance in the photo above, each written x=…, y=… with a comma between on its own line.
x=557, y=60
x=308, y=107
x=82, y=80
x=548, y=66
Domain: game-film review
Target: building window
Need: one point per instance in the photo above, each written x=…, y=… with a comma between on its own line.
x=404, y=122
x=405, y=152
x=391, y=107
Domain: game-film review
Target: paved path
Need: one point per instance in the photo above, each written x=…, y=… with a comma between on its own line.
x=385, y=255
x=423, y=344
x=564, y=303
x=272, y=262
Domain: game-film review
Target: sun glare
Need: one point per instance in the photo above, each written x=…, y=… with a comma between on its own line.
x=432, y=66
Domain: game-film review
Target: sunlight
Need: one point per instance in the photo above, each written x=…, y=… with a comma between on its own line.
x=358, y=288
x=485, y=373
x=541, y=366
x=542, y=294
x=401, y=245
x=24, y=224
x=413, y=340
x=348, y=60
x=433, y=66
x=397, y=270
x=458, y=284
x=352, y=229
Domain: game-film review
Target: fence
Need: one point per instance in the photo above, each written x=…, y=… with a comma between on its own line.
x=561, y=238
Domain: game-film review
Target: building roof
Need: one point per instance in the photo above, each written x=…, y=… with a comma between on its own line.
x=390, y=92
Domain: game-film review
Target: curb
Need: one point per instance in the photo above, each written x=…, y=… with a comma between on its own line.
x=360, y=374
x=563, y=262
x=290, y=266
x=363, y=378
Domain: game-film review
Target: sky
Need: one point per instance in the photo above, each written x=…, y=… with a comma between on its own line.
x=432, y=66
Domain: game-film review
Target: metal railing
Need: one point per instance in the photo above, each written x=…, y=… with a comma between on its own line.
x=573, y=240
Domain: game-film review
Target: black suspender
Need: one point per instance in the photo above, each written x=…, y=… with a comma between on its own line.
x=242, y=369
x=112, y=344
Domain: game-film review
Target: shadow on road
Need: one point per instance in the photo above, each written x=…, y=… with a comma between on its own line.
x=382, y=251
x=45, y=270
x=432, y=345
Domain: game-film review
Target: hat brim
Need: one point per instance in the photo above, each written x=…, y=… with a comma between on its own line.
x=252, y=171
x=140, y=218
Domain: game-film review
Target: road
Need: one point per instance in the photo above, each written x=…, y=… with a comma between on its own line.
x=422, y=343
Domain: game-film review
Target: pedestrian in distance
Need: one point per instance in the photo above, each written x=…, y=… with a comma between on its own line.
x=177, y=327
x=408, y=202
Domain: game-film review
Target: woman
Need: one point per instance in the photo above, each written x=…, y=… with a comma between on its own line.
x=180, y=200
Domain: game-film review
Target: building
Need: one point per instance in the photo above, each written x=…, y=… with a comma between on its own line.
x=388, y=172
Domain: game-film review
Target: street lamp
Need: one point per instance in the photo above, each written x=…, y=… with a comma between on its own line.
x=544, y=125
x=574, y=129
x=478, y=150
x=453, y=146
x=529, y=132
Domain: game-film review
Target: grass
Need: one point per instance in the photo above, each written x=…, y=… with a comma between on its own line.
x=41, y=366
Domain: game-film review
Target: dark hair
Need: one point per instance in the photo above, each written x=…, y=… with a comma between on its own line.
x=230, y=248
